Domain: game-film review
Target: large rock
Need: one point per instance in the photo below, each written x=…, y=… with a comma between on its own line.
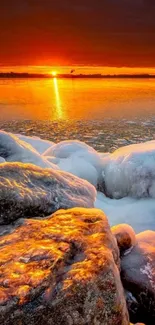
x=27, y=190
x=129, y=171
x=125, y=237
x=138, y=276
x=78, y=159
x=14, y=149
x=62, y=270
x=39, y=144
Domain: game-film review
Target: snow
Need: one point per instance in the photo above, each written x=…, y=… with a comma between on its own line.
x=148, y=270
x=13, y=149
x=127, y=175
x=79, y=159
x=138, y=213
x=66, y=148
x=40, y=145
x=130, y=171
x=79, y=167
x=2, y=160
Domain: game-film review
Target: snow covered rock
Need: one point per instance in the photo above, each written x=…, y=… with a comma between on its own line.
x=130, y=171
x=65, y=149
x=29, y=191
x=2, y=160
x=79, y=159
x=79, y=167
x=39, y=144
x=13, y=149
x=62, y=270
x=138, y=276
x=125, y=236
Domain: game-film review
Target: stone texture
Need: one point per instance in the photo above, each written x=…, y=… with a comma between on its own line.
x=138, y=276
x=27, y=190
x=125, y=236
x=62, y=270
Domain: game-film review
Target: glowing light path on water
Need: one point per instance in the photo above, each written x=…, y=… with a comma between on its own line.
x=59, y=111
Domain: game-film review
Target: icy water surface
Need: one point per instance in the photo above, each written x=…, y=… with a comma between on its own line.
x=102, y=135
x=102, y=112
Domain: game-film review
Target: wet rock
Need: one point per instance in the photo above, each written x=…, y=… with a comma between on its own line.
x=62, y=270
x=27, y=190
x=125, y=237
x=138, y=276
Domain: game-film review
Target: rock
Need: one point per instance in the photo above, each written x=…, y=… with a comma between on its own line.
x=78, y=159
x=27, y=190
x=13, y=149
x=65, y=149
x=125, y=237
x=39, y=144
x=138, y=276
x=129, y=171
x=62, y=270
x=2, y=160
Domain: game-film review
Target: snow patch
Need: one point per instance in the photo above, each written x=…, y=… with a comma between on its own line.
x=149, y=271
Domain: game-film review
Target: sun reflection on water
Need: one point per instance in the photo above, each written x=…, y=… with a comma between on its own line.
x=59, y=111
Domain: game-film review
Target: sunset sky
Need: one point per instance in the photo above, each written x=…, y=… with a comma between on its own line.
x=116, y=33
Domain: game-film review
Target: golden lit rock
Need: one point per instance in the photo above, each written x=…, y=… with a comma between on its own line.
x=61, y=270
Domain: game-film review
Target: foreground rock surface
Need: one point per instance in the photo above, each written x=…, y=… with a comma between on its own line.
x=138, y=275
x=62, y=270
x=27, y=190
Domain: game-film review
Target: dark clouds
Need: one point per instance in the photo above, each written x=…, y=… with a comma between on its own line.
x=107, y=32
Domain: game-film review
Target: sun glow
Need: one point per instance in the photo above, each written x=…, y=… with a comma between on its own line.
x=54, y=73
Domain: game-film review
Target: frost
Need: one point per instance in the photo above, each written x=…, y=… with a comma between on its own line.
x=149, y=271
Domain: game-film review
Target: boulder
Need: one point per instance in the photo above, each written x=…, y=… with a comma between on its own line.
x=39, y=144
x=125, y=237
x=27, y=190
x=78, y=159
x=14, y=149
x=62, y=270
x=138, y=276
x=129, y=171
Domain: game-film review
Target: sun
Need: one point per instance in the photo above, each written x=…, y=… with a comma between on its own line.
x=54, y=73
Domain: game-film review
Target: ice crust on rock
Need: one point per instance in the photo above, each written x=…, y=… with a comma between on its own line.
x=65, y=149
x=79, y=159
x=13, y=149
x=39, y=144
x=138, y=276
x=27, y=190
x=130, y=171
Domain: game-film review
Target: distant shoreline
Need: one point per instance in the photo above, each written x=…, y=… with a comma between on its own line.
x=16, y=75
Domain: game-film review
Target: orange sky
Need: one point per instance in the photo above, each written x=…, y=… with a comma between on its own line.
x=107, y=33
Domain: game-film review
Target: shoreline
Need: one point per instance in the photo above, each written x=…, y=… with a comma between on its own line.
x=16, y=75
